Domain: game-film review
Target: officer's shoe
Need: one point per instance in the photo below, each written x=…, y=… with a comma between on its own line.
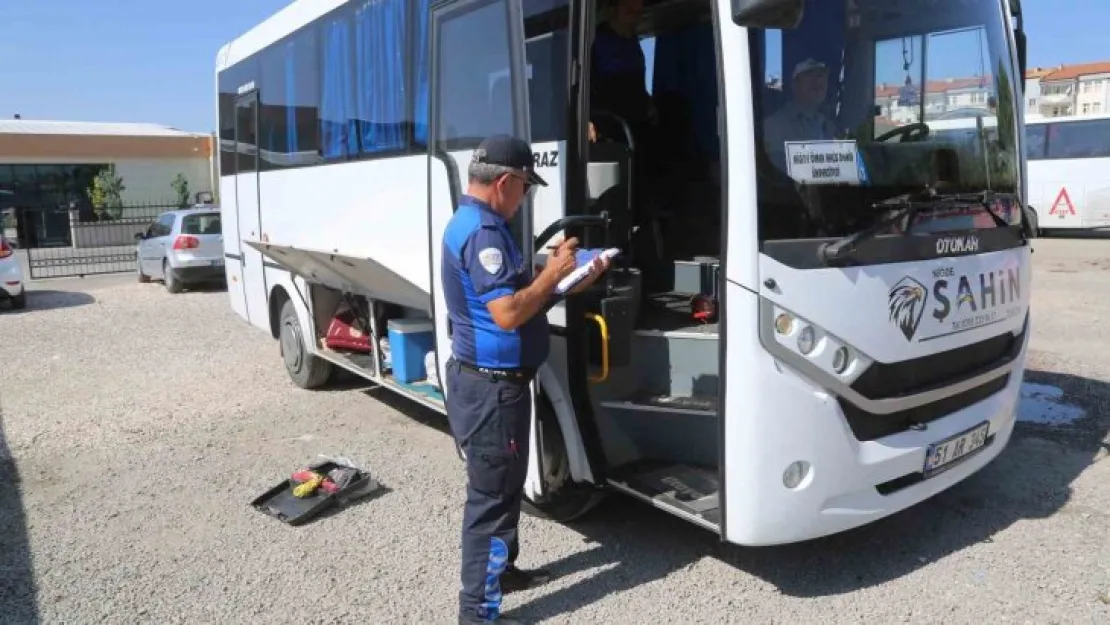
x=473, y=620
x=514, y=579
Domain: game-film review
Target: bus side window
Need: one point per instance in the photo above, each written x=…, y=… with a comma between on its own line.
x=1081, y=139
x=1035, y=136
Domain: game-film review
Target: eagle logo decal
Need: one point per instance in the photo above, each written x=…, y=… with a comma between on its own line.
x=907, y=303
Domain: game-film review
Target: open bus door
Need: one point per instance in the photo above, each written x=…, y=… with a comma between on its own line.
x=478, y=88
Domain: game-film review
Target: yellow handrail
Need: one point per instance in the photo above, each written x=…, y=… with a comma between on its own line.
x=604, y=348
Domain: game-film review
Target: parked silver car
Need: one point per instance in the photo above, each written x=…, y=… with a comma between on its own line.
x=182, y=248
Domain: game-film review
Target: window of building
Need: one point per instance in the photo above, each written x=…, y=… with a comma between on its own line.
x=48, y=186
x=1086, y=107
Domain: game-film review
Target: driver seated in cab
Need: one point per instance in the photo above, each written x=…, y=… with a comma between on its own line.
x=800, y=119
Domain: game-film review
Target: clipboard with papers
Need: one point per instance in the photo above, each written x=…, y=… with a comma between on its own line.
x=583, y=259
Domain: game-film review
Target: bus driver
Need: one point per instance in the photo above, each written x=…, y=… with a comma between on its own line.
x=800, y=119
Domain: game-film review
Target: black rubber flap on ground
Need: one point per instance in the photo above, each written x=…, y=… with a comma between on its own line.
x=280, y=503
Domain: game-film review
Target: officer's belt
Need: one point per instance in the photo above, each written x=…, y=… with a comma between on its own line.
x=522, y=375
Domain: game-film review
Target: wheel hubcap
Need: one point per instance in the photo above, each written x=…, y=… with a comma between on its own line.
x=555, y=468
x=291, y=351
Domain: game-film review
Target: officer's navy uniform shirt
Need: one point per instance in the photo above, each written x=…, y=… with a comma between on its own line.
x=481, y=263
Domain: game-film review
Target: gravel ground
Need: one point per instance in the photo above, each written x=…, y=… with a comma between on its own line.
x=141, y=424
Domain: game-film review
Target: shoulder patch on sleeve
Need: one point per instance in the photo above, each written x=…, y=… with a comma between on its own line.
x=491, y=259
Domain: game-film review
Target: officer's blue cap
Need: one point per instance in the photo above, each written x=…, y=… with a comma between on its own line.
x=509, y=151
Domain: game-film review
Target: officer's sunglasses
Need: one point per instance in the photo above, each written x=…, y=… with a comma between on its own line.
x=528, y=186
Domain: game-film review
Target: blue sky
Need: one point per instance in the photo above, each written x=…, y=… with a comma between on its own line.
x=151, y=60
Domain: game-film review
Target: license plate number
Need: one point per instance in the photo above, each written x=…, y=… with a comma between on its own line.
x=942, y=455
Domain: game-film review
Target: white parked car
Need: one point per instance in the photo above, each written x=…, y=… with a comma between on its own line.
x=12, y=288
x=182, y=248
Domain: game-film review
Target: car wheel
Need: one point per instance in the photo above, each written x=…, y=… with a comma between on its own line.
x=169, y=278
x=306, y=370
x=19, y=302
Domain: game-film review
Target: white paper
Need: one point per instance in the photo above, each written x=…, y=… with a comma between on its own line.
x=823, y=162
x=582, y=271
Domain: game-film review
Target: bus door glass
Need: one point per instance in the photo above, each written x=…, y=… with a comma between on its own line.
x=477, y=89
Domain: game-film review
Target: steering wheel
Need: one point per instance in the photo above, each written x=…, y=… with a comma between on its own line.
x=908, y=132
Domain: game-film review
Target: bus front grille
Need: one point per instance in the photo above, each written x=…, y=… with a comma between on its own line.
x=909, y=377
x=867, y=426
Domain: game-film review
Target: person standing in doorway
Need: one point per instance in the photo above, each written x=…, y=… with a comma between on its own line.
x=499, y=339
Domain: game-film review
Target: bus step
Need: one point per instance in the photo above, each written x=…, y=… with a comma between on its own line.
x=685, y=490
x=700, y=405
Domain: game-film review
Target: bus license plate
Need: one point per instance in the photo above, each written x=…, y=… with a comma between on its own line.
x=943, y=455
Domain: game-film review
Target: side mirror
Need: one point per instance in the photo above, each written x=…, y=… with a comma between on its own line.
x=139, y=236
x=768, y=13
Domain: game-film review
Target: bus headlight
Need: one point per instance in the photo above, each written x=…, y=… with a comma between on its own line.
x=809, y=341
x=806, y=340
x=784, y=324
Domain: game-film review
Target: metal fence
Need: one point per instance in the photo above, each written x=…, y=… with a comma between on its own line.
x=66, y=241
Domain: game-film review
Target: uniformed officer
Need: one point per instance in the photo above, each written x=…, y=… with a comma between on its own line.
x=499, y=338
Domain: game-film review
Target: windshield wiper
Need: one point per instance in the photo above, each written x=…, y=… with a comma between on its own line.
x=904, y=207
x=907, y=209
x=984, y=199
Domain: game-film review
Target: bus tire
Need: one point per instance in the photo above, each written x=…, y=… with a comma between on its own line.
x=1036, y=223
x=564, y=499
x=306, y=370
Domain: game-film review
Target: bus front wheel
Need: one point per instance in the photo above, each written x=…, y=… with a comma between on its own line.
x=306, y=370
x=564, y=499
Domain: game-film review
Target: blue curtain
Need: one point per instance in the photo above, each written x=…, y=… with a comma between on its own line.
x=686, y=63
x=380, y=35
x=422, y=68
x=338, y=132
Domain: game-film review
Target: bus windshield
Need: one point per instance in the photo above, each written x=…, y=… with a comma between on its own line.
x=849, y=106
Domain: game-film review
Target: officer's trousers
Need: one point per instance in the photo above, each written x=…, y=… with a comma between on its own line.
x=490, y=421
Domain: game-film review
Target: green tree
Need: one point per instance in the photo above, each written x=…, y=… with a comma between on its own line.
x=181, y=189
x=106, y=193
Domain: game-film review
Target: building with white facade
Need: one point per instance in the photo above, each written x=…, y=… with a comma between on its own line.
x=949, y=97
x=49, y=166
x=1033, y=89
x=1082, y=89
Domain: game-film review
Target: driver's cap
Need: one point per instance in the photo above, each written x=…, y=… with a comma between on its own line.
x=807, y=65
